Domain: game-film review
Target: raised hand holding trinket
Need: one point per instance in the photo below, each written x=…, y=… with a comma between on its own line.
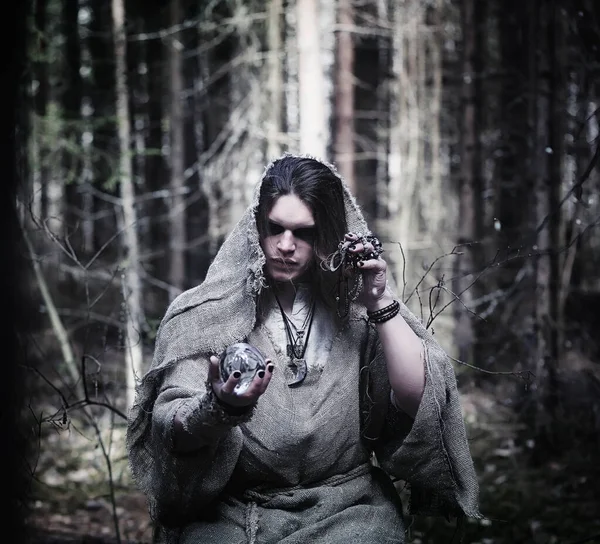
x=354, y=249
x=352, y=254
x=243, y=358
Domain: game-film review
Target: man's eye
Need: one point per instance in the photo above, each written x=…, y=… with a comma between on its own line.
x=275, y=229
x=307, y=234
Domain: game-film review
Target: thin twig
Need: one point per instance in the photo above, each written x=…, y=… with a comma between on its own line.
x=57, y=324
x=403, y=269
x=455, y=297
x=111, y=483
x=518, y=373
x=429, y=268
x=79, y=403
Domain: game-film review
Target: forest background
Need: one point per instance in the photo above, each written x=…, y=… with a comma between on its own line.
x=468, y=132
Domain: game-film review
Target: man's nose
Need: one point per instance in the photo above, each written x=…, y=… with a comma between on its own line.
x=286, y=242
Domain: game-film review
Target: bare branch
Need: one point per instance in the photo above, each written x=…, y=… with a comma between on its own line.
x=57, y=325
x=201, y=24
x=439, y=288
x=525, y=375
x=403, y=270
x=111, y=483
x=430, y=267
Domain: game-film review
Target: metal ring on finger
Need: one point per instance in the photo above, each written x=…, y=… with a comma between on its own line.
x=367, y=255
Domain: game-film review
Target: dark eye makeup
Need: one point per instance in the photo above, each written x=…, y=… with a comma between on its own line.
x=307, y=234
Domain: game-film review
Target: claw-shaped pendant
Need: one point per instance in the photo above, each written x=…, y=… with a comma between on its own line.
x=299, y=366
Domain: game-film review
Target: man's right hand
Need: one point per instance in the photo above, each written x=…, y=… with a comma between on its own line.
x=225, y=390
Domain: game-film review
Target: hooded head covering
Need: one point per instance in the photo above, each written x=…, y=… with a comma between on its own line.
x=223, y=310
x=215, y=314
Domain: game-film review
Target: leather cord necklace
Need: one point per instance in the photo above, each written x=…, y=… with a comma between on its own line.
x=296, y=347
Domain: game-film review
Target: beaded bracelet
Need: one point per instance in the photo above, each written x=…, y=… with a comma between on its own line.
x=386, y=317
x=386, y=309
x=384, y=314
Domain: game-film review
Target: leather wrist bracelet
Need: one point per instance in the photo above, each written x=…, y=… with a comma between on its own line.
x=384, y=314
x=385, y=317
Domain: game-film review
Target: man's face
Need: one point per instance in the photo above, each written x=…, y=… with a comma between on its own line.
x=288, y=244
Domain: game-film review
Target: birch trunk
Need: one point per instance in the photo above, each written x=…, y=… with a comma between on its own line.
x=292, y=102
x=132, y=288
x=327, y=56
x=155, y=174
x=242, y=159
x=383, y=108
x=344, y=96
x=275, y=80
x=313, y=130
x=206, y=176
x=177, y=210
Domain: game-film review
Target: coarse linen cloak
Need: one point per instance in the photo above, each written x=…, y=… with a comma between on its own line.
x=255, y=479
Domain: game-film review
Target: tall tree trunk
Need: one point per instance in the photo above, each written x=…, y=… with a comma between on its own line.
x=206, y=179
x=155, y=171
x=437, y=48
x=292, y=88
x=103, y=101
x=397, y=109
x=87, y=142
x=384, y=49
x=177, y=209
x=243, y=150
x=275, y=80
x=555, y=35
x=403, y=200
x=71, y=102
x=313, y=129
x=132, y=285
x=137, y=69
x=327, y=56
x=547, y=194
x=344, y=96
x=514, y=179
x=41, y=103
x=470, y=197
x=397, y=153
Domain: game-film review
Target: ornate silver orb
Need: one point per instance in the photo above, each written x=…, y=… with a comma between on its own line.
x=245, y=358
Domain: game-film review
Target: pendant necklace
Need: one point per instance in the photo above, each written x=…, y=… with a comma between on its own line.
x=296, y=347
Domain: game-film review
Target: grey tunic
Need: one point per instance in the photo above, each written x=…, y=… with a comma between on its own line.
x=303, y=471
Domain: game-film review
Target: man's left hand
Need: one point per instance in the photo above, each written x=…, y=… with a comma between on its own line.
x=374, y=270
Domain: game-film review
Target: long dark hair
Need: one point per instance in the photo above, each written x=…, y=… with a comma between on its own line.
x=315, y=184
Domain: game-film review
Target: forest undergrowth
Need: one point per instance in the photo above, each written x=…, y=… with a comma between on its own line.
x=552, y=502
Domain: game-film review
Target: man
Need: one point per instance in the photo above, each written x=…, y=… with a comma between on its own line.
x=350, y=375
